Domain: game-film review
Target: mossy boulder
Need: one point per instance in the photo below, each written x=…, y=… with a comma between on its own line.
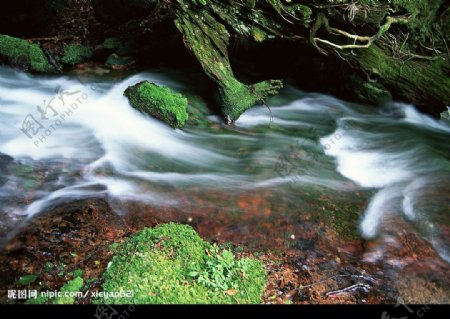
x=159, y=102
x=24, y=55
x=171, y=264
x=75, y=53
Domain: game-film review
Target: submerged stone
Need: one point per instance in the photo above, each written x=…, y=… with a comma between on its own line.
x=117, y=62
x=159, y=102
x=24, y=55
x=445, y=116
x=171, y=264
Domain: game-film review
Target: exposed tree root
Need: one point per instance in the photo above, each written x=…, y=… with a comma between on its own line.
x=367, y=41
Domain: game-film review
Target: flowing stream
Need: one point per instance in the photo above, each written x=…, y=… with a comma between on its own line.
x=67, y=138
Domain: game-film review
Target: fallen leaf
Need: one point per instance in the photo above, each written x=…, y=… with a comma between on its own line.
x=231, y=292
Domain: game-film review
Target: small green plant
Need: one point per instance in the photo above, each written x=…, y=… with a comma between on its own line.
x=71, y=287
x=25, y=280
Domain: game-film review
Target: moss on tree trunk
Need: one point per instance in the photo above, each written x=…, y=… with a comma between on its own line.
x=208, y=40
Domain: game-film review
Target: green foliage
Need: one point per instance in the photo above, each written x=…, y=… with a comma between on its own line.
x=21, y=53
x=25, y=280
x=422, y=14
x=73, y=286
x=159, y=102
x=78, y=272
x=75, y=53
x=304, y=11
x=258, y=35
x=199, y=2
x=171, y=264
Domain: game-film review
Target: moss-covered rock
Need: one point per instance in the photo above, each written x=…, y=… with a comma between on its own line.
x=159, y=102
x=75, y=53
x=171, y=264
x=24, y=55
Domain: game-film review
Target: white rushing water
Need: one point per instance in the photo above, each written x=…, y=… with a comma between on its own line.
x=91, y=142
x=406, y=157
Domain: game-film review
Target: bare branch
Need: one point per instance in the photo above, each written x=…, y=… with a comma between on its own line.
x=368, y=40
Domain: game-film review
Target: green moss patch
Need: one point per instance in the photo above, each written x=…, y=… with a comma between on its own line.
x=68, y=294
x=75, y=53
x=171, y=264
x=70, y=288
x=159, y=102
x=23, y=54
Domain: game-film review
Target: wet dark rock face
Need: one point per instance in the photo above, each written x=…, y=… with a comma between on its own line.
x=28, y=17
x=119, y=11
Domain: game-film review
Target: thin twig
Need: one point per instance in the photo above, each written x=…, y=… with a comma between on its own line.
x=368, y=278
x=270, y=111
x=347, y=289
x=55, y=38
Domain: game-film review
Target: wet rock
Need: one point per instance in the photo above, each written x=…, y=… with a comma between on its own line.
x=117, y=62
x=5, y=161
x=445, y=116
x=159, y=102
x=23, y=55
